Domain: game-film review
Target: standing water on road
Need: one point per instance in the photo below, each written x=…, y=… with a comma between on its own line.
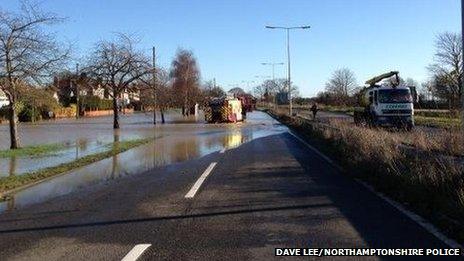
x=175, y=142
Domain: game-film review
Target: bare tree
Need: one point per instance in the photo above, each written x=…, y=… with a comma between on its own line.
x=210, y=89
x=117, y=64
x=159, y=95
x=186, y=80
x=342, y=84
x=447, y=70
x=270, y=88
x=259, y=91
x=28, y=55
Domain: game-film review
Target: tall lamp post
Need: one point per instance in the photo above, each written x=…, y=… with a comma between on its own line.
x=289, y=82
x=273, y=68
x=273, y=77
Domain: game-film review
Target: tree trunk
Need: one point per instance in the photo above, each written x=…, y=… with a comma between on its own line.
x=14, y=139
x=154, y=115
x=115, y=113
x=183, y=110
x=162, y=116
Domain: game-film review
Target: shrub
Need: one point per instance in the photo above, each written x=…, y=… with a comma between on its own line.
x=93, y=103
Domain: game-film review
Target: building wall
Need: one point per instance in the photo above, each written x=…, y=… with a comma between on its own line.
x=3, y=99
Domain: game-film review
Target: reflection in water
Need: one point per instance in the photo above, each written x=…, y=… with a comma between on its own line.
x=12, y=166
x=233, y=140
x=170, y=148
x=81, y=147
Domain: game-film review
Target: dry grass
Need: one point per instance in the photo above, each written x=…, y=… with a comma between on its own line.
x=428, y=176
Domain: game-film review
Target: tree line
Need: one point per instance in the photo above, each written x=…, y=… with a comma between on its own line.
x=443, y=88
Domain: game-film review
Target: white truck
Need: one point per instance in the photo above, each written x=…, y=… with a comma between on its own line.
x=385, y=105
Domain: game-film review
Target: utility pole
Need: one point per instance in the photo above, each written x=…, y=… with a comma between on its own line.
x=77, y=90
x=290, y=104
x=154, y=85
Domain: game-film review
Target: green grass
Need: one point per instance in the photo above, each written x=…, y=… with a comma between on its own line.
x=12, y=182
x=437, y=113
x=438, y=122
x=32, y=151
x=341, y=109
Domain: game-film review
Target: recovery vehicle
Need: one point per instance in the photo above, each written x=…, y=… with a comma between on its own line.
x=385, y=105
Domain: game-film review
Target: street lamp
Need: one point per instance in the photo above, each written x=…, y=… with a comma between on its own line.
x=273, y=67
x=288, y=57
x=273, y=78
x=248, y=84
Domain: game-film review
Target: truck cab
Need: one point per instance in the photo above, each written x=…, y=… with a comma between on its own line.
x=384, y=105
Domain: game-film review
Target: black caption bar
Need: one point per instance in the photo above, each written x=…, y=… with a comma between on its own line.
x=368, y=252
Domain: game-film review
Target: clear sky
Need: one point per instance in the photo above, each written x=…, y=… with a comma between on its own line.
x=230, y=42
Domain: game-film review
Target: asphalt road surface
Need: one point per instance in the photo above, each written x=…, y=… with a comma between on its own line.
x=235, y=204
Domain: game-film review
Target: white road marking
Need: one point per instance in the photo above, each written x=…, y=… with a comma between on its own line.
x=413, y=216
x=223, y=150
x=200, y=181
x=136, y=252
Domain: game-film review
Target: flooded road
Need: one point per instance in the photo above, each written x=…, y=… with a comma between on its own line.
x=177, y=142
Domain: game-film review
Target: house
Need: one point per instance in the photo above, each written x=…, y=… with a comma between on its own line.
x=3, y=99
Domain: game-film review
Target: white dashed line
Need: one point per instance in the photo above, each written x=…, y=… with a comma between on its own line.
x=200, y=181
x=136, y=252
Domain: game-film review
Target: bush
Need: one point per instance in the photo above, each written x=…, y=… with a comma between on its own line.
x=29, y=113
x=93, y=103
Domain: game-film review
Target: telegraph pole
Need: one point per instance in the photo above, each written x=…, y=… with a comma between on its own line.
x=290, y=104
x=77, y=90
x=154, y=85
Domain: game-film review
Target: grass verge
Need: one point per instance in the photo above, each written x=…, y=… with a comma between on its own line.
x=13, y=182
x=444, y=119
x=438, y=122
x=32, y=151
x=431, y=184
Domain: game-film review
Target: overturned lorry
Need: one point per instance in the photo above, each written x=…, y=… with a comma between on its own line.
x=385, y=105
x=225, y=109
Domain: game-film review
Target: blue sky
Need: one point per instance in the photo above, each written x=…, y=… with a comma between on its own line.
x=230, y=42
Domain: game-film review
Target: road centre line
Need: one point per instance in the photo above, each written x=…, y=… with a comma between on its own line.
x=200, y=181
x=136, y=252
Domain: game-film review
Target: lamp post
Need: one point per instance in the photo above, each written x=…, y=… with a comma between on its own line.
x=273, y=77
x=289, y=81
x=273, y=68
x=248, y=84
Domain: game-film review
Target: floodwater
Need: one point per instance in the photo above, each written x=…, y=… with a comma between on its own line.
x=80, y=138
x=176, y=141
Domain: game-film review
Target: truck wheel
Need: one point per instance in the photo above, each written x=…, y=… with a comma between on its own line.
x=409, y=127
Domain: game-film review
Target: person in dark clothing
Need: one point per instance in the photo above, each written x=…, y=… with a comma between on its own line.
x=314, y=110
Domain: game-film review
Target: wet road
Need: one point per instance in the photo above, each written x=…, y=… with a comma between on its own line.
x=234, y=202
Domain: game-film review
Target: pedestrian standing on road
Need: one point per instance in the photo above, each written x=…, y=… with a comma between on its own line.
x=314, y=110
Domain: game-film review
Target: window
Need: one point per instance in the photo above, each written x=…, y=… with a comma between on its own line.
x=395, y=96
